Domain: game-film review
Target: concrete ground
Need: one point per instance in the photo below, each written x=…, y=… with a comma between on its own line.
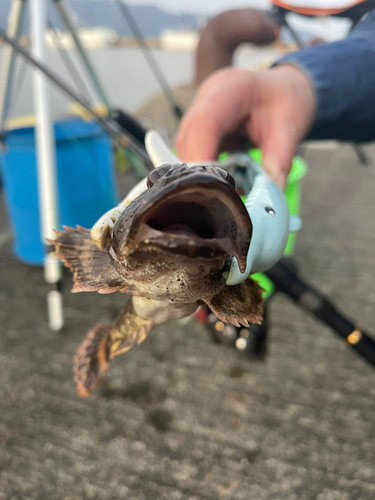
x=181, y=418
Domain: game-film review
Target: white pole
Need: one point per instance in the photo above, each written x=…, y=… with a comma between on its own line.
x=46, y=156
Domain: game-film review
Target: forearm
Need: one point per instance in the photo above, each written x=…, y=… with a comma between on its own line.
x=342, y=76
x=225, y=32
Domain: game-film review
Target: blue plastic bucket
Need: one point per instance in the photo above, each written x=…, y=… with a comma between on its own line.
x=86, y=182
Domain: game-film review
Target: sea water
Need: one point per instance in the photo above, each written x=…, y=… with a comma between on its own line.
x=126, y=76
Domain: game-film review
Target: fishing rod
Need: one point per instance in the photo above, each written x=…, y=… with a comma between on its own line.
x=123, y=138
x=155, y=68
x=287, y=281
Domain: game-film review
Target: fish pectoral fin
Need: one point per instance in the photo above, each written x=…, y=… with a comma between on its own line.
x=239, y=304
x=93, y=269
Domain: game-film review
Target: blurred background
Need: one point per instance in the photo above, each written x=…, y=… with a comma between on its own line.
x=172, y=32
x=179, y=417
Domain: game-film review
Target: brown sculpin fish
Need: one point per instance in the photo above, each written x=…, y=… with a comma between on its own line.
x=169, y=249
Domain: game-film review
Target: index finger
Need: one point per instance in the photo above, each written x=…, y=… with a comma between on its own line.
x=219, y=109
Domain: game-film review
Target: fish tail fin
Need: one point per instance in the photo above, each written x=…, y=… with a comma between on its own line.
x=103, y=343
x=92, y=359
x=92, y=268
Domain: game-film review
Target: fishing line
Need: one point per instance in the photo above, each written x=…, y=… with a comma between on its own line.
x=121, y=118
x=69, y=64
x=155, y=68
x=80, y=148
x=110, y=126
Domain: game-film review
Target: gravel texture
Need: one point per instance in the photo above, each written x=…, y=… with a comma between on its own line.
x=182, y=418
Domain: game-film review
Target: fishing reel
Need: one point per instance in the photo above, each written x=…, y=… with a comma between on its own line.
x=250, y=340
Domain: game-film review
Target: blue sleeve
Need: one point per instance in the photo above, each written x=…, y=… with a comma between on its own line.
x=342, y=75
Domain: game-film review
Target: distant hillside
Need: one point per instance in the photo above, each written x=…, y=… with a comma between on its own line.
x=151, y=20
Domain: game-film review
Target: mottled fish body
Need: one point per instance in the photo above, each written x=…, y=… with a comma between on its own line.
x=168, y=249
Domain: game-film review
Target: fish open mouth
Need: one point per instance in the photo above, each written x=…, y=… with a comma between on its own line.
x=186, y=217
x=196, y=219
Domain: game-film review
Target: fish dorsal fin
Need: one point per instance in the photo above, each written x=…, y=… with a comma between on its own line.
x=158, y=151
x=238, y=304
x=93, y=269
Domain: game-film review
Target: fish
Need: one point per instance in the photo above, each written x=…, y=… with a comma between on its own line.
x=170, y=249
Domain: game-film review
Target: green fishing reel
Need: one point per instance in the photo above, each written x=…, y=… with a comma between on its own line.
x=293, y=199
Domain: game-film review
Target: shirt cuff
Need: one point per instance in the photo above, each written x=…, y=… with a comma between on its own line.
x=342, y=75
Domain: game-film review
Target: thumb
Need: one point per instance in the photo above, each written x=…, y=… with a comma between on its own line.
x=278, y=152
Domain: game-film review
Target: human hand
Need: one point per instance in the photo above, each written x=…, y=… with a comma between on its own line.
x=274, y=109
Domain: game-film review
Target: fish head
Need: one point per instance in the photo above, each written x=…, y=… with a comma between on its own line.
x=188, y=224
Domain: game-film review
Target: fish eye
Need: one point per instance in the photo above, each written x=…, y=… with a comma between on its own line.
x=157, y=173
